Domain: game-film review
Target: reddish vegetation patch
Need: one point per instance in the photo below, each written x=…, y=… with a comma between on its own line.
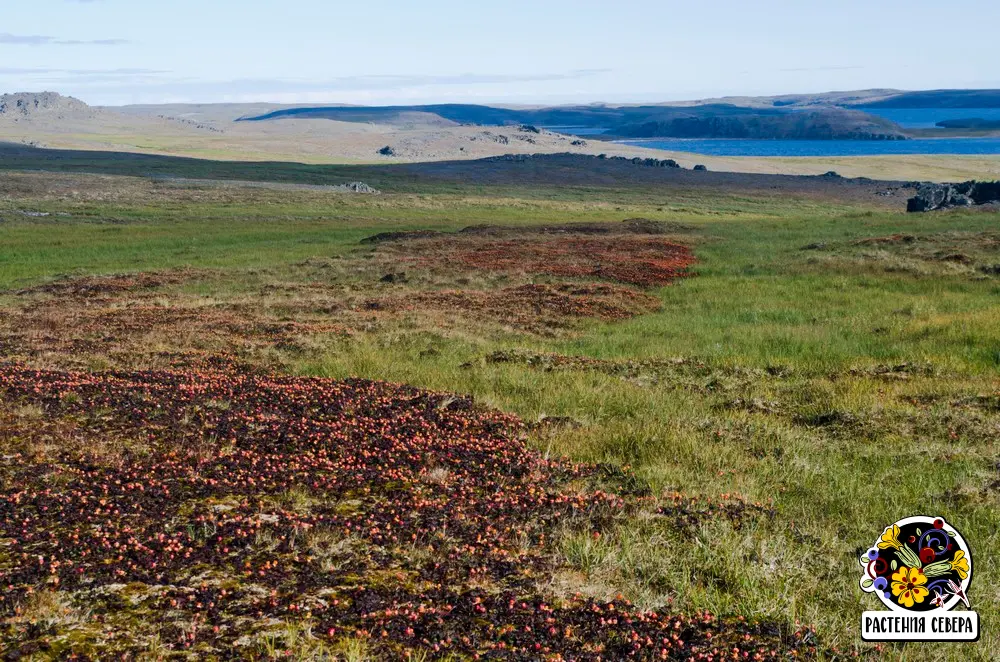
x=645, y=261
x=531, y=307
x=130, y=320
x=134, y=329
x=102, y=286
x=359, y=508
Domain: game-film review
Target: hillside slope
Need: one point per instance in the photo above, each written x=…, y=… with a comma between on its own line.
x=707, y=121
x=939, y=99
x=825, y=124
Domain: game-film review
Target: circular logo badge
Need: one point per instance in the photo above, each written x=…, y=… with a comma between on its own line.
x=918, y=564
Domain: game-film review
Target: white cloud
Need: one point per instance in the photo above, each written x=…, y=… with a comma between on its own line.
x=45, y=40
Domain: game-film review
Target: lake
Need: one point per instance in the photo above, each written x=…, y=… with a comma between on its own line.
x=726, y=147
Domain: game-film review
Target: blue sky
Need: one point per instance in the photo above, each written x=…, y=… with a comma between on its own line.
x=542, y=51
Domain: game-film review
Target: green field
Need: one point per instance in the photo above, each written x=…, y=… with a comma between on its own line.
x=840, y=383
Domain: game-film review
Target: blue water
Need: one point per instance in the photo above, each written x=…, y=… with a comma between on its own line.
x=724, y=147
x=577, y=130
x=927, y=118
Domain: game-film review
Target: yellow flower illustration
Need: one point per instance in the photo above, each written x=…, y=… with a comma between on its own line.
x=961, y=564
x=890, y=538
x=908, y=586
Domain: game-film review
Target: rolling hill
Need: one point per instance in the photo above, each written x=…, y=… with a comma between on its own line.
x=939, y=99
x=707, y=121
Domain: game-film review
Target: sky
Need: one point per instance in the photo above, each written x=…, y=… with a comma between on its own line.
x=378, y=52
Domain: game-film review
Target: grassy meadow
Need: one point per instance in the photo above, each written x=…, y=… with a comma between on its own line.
x=828, y=368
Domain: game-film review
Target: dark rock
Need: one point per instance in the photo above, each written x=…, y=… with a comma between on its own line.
x=649, y=163
x=394, y=278
x=387, y=151
x=832, y=174
x=579, y=143
x=928, y=198
x=528, y=128
x=499, y=139
x=985, y=192
x=931, y=197
x=361, y=187
x=701, y=168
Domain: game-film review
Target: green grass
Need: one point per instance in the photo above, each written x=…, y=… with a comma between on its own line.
x=839, y=449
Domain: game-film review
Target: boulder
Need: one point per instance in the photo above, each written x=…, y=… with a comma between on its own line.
x=931, y=197
x=701, y=168
x=361, y=187
x=387, y=151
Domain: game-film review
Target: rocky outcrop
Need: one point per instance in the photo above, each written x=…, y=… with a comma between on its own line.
x=361, y=187
x=646, y=163
x=26, y=105
x=931, y=197
x=649, y=163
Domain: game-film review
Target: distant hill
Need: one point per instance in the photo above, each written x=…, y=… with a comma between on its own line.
x=974, y=123
x=34, y=105
x=706, y=121
x=939, y=99
x=591, y=116
x=824, y=99
x=824, y=124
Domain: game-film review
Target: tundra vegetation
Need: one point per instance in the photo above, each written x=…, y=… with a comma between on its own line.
x=481, y=421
